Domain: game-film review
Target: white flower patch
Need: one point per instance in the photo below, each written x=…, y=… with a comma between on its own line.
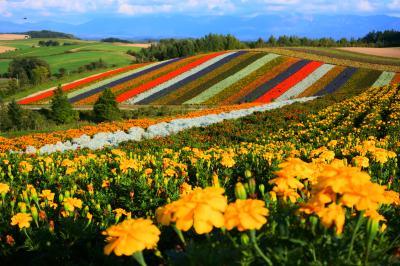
x=163, y=129
x=306, y=83
x=384, y=79
x=223, y=84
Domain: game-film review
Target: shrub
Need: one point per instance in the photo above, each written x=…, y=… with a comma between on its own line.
x=106, y=107
x=62, y=111
x=15, y=115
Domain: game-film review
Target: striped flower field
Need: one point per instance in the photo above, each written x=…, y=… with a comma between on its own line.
x=220, y=78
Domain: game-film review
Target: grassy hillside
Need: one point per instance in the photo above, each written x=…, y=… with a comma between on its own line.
x=69, y=57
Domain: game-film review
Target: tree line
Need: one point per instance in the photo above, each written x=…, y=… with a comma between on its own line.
x=172, y=48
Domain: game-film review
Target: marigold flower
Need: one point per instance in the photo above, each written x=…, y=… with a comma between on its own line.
x=245, y=215
x=227, y=160
x=47, y=194
x=72, y=203
x=23, y=220
x=25, y=167
x=131, y=236
x=333, y=214
x=361, y=161
x=202, y=208
x=4, y=188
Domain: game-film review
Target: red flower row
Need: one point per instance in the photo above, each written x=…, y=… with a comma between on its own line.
x=78, y=83
x=284, y=86
x=142, y=88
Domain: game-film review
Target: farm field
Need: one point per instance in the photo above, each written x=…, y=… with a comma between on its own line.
x=309, y=177
x=385, y=52
x=223, y=78
x=70, y=57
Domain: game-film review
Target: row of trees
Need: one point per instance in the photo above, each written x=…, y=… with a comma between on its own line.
x=172, y=48
x=388, y=38
x=61, y=112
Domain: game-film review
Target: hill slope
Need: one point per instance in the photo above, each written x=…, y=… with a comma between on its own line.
x=222, y=78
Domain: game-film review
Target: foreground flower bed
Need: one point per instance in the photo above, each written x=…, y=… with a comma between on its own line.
x=324, y=191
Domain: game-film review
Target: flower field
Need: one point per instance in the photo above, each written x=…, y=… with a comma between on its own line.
x=312, y=183
x=219, y=78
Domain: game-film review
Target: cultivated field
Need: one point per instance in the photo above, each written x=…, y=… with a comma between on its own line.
x=4, y=49
x=221, y=78
x=11, y=37
x=385, y=52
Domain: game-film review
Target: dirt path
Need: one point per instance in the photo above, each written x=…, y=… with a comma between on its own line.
x=4, y=49
x=386, y=52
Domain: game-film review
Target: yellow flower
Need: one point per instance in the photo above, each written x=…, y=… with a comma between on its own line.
x=185, y=188
x=25, y=167
x=202, y=208
x=119, y=212
x=71, y=203
x=227, y=160
x=23, y=220
x=105, y=184
x=131, y=236
x=246, y=215
x=4, y=188
x=361, y=161
x=333, y=214
x=47, y=194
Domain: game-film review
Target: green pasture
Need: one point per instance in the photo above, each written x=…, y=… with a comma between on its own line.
x=70, y=57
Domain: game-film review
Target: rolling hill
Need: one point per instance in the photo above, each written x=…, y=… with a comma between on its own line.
x=224, y=78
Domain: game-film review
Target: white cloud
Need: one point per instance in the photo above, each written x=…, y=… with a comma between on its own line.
x=197, y=7
x=394, y=5
x=129, y=9
x=365, y=5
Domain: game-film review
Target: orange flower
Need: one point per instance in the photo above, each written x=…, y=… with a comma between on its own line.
x=246, y=215
x=23, y=220
x=71, y=203
x=202, y=208
x=131, y=236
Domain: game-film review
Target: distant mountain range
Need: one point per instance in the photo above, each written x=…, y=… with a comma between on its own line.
x=245, y=28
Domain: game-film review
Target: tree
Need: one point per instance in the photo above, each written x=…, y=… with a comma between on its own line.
x=61, y=109
x=39, y=74
x=15, y=115
x=23, y=69
x=106, y=107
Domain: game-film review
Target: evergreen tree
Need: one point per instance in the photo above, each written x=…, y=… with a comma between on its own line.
x=106, y=107
x=61, y=109
x=15, y=115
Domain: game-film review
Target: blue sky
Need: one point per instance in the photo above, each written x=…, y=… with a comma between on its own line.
x=78, y=11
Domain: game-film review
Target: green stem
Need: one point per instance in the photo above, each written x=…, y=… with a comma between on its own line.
x=353, y=237
x=180, y=235
x=138, y=256
x=257, y=248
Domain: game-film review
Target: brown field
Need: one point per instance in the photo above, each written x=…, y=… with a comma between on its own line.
x=10, y=37
x=4, y=49
x=386, y=52
x=139, y=45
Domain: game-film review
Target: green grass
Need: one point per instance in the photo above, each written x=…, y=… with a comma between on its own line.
x=70, y=57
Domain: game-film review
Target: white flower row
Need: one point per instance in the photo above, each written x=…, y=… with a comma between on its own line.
x=111, y=79
x=223, y=84
x=306, y=83
x=384, y=79
x=176, y=79
x=107, y=139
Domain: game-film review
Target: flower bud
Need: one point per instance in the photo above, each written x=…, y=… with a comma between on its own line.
x=252, y=186
x=261, y=187
x=247, y=173
x=240, y=191
x=244, y=239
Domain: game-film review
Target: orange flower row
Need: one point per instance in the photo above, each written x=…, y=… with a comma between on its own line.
x=40, y=139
